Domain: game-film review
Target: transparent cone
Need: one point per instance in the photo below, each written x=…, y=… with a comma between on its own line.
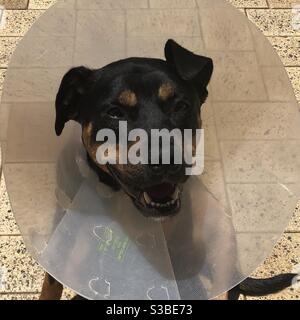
x=94, y=240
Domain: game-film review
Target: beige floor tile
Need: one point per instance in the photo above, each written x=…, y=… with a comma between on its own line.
x=50, y=23
x=4, y=114
x=2, y=77
x=111, y=32
x=26, y=145
x=33, y=85
x=19, y=271
x=7, y=222
x=40, y=4
x=210, y=3
x=282, y=3
x=18, y=22
x=42, y=209
x=68, y=294
x=14, y=4
x=43, y=52
x=253, y=248
x=219, y=33
x=45, y=4
x=273, y=22
x=260, y=208
x=249, y=3
x=288, y=294
x=236, y=73
x=264, y=120
x=284, y=258
x=7, y=47
x=19, y=296
x=294, y=225
x=173, y=22
x=294, y=74
x=288, y=48
x=154, y=46
x=210, y=134
x=265, y=53
x=172, y=3
x=211, y=141
x=277, y=84
x=212, y=179
x=112, y=4
x=250, y=161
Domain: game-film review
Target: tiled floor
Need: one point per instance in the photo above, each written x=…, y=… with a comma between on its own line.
x=273, y=17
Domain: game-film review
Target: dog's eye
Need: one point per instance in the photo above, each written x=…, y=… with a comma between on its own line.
x=115, y=113
x=181, y=106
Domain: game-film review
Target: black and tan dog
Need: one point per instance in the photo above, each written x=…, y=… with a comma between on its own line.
x=148, y=94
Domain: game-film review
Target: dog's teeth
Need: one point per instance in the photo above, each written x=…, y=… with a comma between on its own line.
x=153, y=204
x=175, y=195
x=147, y=198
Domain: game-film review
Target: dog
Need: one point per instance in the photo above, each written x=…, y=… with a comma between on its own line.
x=149, y=94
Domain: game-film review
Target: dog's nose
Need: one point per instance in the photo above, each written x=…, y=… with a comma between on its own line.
x=159, y=169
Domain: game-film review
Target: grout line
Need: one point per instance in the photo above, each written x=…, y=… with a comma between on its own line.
x=292, y=232
x=265, y=232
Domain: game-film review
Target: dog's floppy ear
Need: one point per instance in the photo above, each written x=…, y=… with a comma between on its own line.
x=72, y=88
x=190, y=67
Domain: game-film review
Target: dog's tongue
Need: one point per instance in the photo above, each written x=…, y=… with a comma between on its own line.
x=161, y=191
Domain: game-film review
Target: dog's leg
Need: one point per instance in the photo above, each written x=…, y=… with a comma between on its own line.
x=52, y=289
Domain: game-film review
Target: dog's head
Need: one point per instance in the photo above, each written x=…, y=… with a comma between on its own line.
x=147, y=94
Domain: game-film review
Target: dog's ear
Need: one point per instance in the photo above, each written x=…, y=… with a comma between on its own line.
x=72, y=88
x=189, y=66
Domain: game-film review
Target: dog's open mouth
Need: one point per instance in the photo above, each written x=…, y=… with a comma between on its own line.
x=160, y=200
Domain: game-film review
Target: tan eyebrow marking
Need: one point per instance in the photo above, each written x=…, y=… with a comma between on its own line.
x=166, y=91
x=86, y=135
x=128, y=98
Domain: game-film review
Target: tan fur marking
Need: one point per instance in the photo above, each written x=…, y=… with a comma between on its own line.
x=128, y=98
x=52, y=289
x=86, y=135
x=166, y=91
x=91, y=146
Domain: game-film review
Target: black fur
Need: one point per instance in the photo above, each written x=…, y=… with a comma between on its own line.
x=92, y=98
x=262, y=287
